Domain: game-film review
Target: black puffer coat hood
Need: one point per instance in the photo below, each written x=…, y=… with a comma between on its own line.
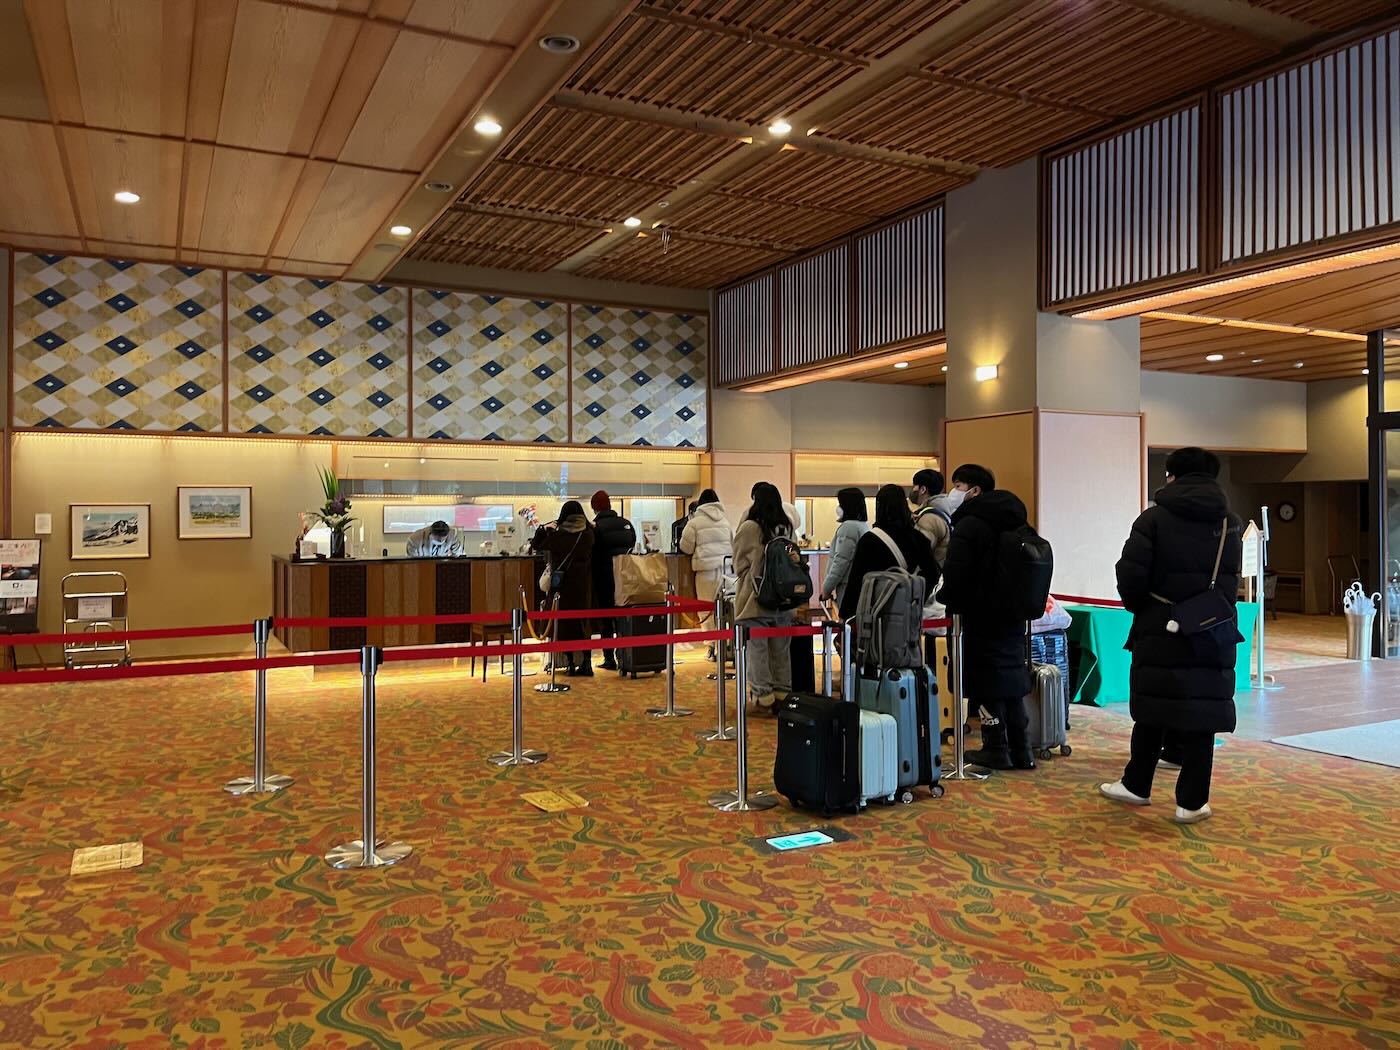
x=1000, y=509
x=1195, y=497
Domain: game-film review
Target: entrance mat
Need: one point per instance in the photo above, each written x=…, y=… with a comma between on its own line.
x=1378, y=742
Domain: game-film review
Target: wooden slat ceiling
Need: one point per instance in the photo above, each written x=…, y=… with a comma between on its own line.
x=258, y=133
x=892, y=102
x=1337, y=308
x=291, y=133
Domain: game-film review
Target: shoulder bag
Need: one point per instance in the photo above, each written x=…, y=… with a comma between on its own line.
x=1208, y=609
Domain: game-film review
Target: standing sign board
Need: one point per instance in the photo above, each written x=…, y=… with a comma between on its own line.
x=19, y=586
x=1249, y=560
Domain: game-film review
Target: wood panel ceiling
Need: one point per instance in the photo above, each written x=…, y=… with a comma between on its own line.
x=891, y=102
x=290, y=134
x=1316, y=327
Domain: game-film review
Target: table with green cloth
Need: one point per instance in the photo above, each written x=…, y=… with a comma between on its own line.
x=1099, y=633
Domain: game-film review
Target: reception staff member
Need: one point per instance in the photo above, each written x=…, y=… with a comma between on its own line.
x=435, y=541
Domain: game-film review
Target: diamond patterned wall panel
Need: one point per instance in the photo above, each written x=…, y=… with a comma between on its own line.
x=117, y=345
x=639, y=377
x=317, y=357
x=489, y=368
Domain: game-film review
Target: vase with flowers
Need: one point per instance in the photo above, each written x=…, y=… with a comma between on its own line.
x=334, y=513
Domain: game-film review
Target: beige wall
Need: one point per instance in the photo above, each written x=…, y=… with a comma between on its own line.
x=183, y=582
x=1088, y=366
x=1337, y=411
x=834, y=416
x=1222, y=412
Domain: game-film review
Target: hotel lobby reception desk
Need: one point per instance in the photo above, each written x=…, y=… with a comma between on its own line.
x=373, y=587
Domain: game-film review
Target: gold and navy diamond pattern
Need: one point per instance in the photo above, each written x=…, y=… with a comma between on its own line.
x=639, y=377
x=317, y=357
x=117, y=345
x=489, y=368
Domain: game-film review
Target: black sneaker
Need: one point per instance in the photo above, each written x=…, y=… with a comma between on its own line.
x=989, y=759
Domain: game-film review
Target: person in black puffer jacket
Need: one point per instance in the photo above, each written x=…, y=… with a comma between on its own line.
x=996, y=677
x=614, y=535
x=1182, y=686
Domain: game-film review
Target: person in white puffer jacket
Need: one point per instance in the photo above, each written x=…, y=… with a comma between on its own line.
x=708, y=539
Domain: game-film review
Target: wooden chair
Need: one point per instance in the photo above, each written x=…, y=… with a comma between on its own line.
x=492, y=590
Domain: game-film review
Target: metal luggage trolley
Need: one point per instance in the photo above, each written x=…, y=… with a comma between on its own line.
x=94, y=603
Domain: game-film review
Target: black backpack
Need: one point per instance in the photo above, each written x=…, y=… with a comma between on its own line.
x=786, y=582
x=1021, y=582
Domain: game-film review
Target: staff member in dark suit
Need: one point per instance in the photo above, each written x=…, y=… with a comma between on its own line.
x=612, y=535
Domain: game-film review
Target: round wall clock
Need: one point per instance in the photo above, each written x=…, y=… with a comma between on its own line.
x=1286, y=511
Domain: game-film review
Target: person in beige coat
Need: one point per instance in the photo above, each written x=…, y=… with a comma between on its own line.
x=708, y=539
x=769, y=659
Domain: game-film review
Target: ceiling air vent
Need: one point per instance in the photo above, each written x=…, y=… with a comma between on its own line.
x=559, y=44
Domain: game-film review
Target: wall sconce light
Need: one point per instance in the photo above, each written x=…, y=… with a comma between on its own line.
x=985, y=372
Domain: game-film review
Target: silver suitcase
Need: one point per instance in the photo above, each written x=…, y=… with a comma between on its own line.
x=879, y=757
x=1049, y=715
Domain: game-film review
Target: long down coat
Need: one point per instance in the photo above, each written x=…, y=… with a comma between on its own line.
x=1182, y=682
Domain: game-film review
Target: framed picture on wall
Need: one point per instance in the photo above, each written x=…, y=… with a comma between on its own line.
x=214, y=512
x=107, y=531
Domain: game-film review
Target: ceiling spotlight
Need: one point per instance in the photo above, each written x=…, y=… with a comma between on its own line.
x=487, y=126
x=1297, y=364
x=400, y=231
x=559, y=44
x=1256, y=361
x=438, y=187
x=1215, y=357
x=632, y=222
x=901, y=364
x=779, y=127
x=1365, y=371
x=126, y=197
x=945, y=368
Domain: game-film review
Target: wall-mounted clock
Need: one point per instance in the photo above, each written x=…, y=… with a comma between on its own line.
x=1286, y=511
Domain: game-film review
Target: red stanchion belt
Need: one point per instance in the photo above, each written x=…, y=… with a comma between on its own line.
x=1076, y=599
x=784, y=632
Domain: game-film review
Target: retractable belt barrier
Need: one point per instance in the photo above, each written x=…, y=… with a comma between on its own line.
x=1077, y=599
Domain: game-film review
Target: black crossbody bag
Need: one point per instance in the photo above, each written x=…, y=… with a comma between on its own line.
x=1206, y=610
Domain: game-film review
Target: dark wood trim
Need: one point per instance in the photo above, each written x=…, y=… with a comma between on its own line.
x=1376, y=474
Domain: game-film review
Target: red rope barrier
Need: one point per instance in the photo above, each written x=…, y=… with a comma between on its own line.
x=929, y=625
x=11, y=640
x=582, y=645
x=1075, y=599
x=784, y=632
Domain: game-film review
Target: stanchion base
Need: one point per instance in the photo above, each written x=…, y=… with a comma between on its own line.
x=713, y=676
x=527, y=757
x=245, y=785
x=968, y=773
x=727, y=733
x=352, y=855
x=552, y=687
x=730, y=802
x=675, y=712
x=1268, y=685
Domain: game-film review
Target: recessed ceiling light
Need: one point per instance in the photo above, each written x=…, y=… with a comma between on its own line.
x=1215, y=357
x=421, y=460
x=559, y=44
x=1365, y=371
x=438, y=187
x=632, y=221
x=1297, y=364
x=901, y=364
x=126, y=197
x=487, y=126
x=945, y=368
x=1256, y=361
x=779, y=128
x=400, y=231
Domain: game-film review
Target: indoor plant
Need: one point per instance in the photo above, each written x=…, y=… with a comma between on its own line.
x=334, y=513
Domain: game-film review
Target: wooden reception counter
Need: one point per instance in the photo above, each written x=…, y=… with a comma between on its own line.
x=373, y=587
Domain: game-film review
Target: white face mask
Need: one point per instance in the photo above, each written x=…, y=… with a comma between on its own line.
x=955, y=499
x=840, y=514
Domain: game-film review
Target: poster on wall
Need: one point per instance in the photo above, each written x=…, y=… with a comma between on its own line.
x=215, y=512
x=19, y=586
x=108, y=531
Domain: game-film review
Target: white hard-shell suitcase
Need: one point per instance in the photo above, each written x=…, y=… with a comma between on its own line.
x=879, y=757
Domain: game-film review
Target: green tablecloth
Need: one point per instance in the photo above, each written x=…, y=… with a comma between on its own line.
x=1103, y=662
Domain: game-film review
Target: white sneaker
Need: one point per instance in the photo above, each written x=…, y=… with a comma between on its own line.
x=1163, y=763
x=1191, y=816
x=1119, y=793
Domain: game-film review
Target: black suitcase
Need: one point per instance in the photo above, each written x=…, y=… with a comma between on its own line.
x=641, y=659
x=818, y=761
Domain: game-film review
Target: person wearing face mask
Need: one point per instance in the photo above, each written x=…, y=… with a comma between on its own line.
x=851, y=514
x=933, y=514
x=995, y=676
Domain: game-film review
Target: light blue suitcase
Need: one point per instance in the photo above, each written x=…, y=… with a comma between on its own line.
x=909, y=695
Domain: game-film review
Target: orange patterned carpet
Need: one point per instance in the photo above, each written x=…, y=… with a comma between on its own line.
x=1023, y=912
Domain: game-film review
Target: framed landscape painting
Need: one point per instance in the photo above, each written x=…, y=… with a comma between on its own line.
x=106, y=531
x=215, y=512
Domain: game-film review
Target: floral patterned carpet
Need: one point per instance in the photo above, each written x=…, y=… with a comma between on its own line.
x=1023, y=912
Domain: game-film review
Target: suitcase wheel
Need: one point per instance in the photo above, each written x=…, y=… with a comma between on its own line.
x=937, y=790
x=946, y=736
x=1066, y=750
x=1045, y=752
x=906, y=796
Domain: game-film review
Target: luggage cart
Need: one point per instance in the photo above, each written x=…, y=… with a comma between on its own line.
x=94, y=603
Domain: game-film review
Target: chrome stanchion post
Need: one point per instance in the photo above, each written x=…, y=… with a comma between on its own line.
x=719, y=673
x=961, y=770
x=367, y=851
x=738, y=801
x=670, y=710
x=848, y=662
x=828, y=640
x=261, y=782
x=1263, y=680
x=721, y=731
x=518, y=755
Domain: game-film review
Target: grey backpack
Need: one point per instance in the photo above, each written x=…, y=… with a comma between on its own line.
x=889, y=615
